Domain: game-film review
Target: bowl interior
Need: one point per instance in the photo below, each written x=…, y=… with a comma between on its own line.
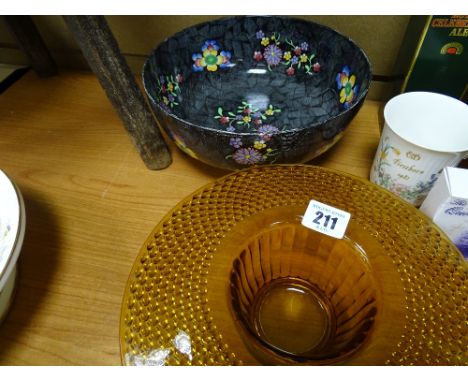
x=242, y=72
x=303, y=295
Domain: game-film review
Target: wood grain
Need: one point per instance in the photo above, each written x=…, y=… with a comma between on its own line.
x=91, y=203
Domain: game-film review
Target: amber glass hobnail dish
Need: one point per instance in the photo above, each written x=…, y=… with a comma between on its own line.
x=231, y=277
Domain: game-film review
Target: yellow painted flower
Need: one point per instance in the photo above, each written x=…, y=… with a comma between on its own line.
x=247, y=119
x=265, y=41
x=210, y=58
x=181, y=145
x=346, y=83
x=347, y=92
x=166, y=100
x=170, y=86
x=259, y=145
x=304, y=58
x=269, y=111
x=287, y=56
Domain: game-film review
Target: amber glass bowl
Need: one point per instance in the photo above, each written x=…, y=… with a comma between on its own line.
x=230, y=276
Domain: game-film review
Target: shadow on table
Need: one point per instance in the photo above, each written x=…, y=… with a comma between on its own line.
x=36, y=268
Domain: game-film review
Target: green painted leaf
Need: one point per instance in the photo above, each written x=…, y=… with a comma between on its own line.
x=220, y=110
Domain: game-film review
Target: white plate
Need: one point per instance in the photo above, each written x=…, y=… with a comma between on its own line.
x=6, y=294
x=12, y=227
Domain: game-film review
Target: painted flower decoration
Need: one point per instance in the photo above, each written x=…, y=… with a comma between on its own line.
x=248, y=156
x=168, y=90
x=266, y=131
x=304, y=46
x=280, y=50
x=211, y=58
x=235, y=142
x=254, y=148
x=346, y=84
x=272, y=55
x=259, y=145
x=258, y=56
x=260, y=34
x=290, y=71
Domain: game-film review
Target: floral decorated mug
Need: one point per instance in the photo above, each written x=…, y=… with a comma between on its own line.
x=423, y=133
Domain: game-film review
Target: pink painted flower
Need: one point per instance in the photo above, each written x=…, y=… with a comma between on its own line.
x=316, y=67
x=290, y=71
x=179, y=78
x=258, y=56
x=297, y=51
x=224, y=120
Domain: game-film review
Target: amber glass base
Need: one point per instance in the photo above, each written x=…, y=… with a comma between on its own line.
x=302, y=295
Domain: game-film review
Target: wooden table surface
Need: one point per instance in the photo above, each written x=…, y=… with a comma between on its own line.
x=90, y=204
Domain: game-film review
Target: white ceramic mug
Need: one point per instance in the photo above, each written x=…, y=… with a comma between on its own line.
x=423, y=133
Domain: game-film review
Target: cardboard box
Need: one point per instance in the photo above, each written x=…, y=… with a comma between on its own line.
x=447, y=206
x=434, y=56
x=441, y=59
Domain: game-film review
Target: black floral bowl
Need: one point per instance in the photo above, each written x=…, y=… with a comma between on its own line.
x=245, y=91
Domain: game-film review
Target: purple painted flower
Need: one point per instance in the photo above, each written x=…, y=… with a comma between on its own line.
x=294, y=60
x=342, y=78
x=304, y=46
x=226, y=59
x=166, y=108
x=198, y=62
x=260, y=34
x=231, y=129
x=162, y=79
x=171, y=98
x=257, y=114
x=247, y=156
x=235, y=142
x=273, y=55
x=267, y=130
